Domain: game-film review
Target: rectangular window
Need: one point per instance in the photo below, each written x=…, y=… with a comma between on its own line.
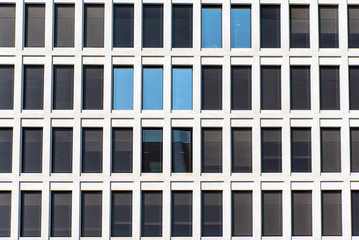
x=5, y=150
x=212, y=88
x=181, y=214
x=302, y=213
x=242, y=213
x=64, y=25
x=242, y=150
x=211, y=26
x=331, y=213
x=93, y=87
x=329, y=88
x=31, y=150
x=7, y=87
x=123, y=25
x=354, y=149
x=353, y=26
x=241, y=93
x=353, y=87
x=122, y=150
x=91, y=214
x=94, y=25
x=61, y=213
x=328, y=26
x=299, y=26
x=272, y=213
x=30, y=214
x=271, y=88
x=33, y=87
x=7, y=25
x=182, y=22
x=92, y=145
x=152, y=88
x=355, y=212
x=211, y=150
x=152, y=26
x=123, y=88
x=63, y=92
x=330, y=149
x=240, y=26
x=151, y=214
x=62, y=150
x=152, y=143
x=300, y=88
x=181, y=88
x=5, y=216
x=301, y=149
x=181, y=150
x=270, y=26
x=212, y=214
x=34, y=25
x=121, y=214
x=271, y=150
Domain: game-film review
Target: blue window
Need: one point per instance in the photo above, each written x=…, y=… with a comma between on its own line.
x=240, y=27
x=152, y=89
x=123, y=88
x=211, y=27
x=182, y=88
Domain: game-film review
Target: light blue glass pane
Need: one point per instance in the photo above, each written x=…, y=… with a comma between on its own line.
x=240, y=28
x=152, y=89
x=211, y=28
x=182, y=89
x=123, y=88
x=181, y=136
x=152, y=135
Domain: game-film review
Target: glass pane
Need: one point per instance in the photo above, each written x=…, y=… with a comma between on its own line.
x=241, y=88
x=300, y=88
x=152, y=150
x=123, y=26
x=353, y=87
x=33, y=87
x=240, y=27
x=301, y=213
x=152, y=26
x=242, y=213
x=5, y=216
x=7, y=87
x=181, y=214
x=270, y=26
x=331, y=213
x=181, y=150
x=211, y=27
x=91, y=214
x=34, y=25
x=299, y=27
x=61, y=208
x=354, y=149
x=330, y=149
x=7, y=25
x=94, y=25
x=182, y=26
x=63, y=87
x=242, y=150
x=31, y=150
x=271, y=150
x=93, y=88
x=355, y=212
x=122, y=88
x=62, y=150
x=64, y=25
x=271, y=88
x=328, y=26
x=5, y=150
x=182, y=88
x=329, y=88
x=122, y=141
x=92, y=144
x=211, y=150
x=151, y=225
x=121, y=214
x=301, y=150
x=152, y=89
x=30, y=214
x=212, y=214
x=272, y=216
x=353, y=26
x=212, y=88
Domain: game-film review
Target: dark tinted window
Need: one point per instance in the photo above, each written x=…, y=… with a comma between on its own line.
x=241, y=87
x=34, y=25
x=94, y=25
x=63, y=87
x=182, y=26
x=211, y=150
x=93, y=88
x=330, y=149
x=122, y=141
x=151, y=223
x=354, y=149
x=301, y=213
x=181, y=214
x=299, y=26
x=61, y=207
x=328, y=26
x=33, y=87
x=152, y=150
x=31, y=150
x=300, y=88
x=123, y=26
x=212, y=88
x=30, y=214
x=353, y=87
x=271, y=88
x=64, y=25
x=242, y=213
x=5, y=150
x=91, y=214
x=301, y=150
x=5, y=216
x=7, y=25
x=270, y=26
x=272, y=213
x=181, y=150
x=152, y=26
x=355, y=212
x=242, y=150
x=92, y=150
x=329, y=88
x=121, y=214
x=7, y=87
x=212, y=214
x=271, y=150
x=62, y=150
x=331, y=213
x=353, y=26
